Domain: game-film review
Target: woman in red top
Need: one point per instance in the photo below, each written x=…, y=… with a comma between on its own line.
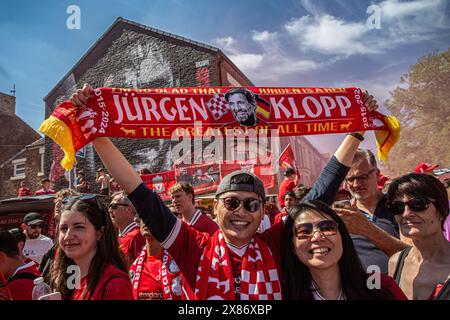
x=321, y=262
x=87, y=239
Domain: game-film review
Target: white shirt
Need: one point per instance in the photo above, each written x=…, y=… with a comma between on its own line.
x=265, y=223
x=35, y=249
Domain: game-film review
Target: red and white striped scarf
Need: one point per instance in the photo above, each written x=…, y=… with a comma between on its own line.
x=259, y=275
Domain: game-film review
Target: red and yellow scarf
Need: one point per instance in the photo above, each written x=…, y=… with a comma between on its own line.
x=161, y=113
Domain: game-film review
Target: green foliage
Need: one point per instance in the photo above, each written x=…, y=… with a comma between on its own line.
x=422, y=104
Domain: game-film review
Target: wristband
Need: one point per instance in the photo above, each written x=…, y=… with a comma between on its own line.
x=356, y=135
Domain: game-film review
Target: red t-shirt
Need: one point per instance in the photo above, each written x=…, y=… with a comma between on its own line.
x=387, y=283
x=4, y=291
x=186, y=245
x=113, y=285
x=43, y=192
x=131, y=242
x=23, y=192
x=203, y=224
x=280, y=216
x=158, y=279
x=286, y=185
x=21, y=289
x=148, y=286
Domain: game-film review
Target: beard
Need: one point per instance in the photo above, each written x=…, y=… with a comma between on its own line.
x=33, y=235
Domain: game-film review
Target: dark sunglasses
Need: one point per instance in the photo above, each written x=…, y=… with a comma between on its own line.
x=416, y=204
x=35, y=226
x=115, y=205
x=249, y=204
x=306, y=230
x=362, y=177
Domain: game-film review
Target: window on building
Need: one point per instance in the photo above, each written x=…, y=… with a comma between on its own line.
x=19, y=169
x=41, y=153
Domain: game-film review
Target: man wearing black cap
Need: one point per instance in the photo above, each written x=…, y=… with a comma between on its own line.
x=236, y=262
x=288, y=184
x=36, y=244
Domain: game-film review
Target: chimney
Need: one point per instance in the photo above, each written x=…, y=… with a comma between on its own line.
x=7, y=104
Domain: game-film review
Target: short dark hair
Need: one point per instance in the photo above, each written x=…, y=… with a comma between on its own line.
x=365, y=154
x=247, y=93
x=45, y=180
x=18, y=235
x=421, y=185
x=8, y=244
x=291, y=194
x=301, y=191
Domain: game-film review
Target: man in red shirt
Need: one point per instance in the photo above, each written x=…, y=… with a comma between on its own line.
x=18, y=274
x=288, y=184
x=183, y=201
x=122, y=214
x=23, y=190
x=45, y=184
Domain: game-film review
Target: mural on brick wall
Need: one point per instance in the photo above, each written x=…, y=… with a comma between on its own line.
x=137, y=60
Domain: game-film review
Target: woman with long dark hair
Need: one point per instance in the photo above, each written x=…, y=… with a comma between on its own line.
x=420, y=206
x=88, y=244
x=320, y=261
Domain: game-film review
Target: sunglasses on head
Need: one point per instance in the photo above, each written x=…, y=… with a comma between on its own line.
x=306, y=230
x=416, y=204
x=249, y=204
x=115, y=205
x=90, y=198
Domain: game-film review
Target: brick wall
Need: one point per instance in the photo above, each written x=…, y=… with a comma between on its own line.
x=131, y=57
x=7, y=104
x=33, y=176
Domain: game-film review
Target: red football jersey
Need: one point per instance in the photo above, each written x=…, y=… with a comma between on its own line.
x=113, y=285
x=202, y=223
x=131, y=242
x=286, y=185
x=21, y=289
x=4, y=291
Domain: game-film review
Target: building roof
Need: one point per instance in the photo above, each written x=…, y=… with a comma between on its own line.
x=15, y=135
x=124, y=23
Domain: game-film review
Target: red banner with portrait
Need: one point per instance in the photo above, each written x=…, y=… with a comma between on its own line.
x=167, y=112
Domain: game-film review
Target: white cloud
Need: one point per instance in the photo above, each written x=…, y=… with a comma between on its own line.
x=264, y=36
x=393, y=9
x=247, y=61
x=329, y=35
x=225, y=43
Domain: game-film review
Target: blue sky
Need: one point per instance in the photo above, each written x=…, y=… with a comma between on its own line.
x=278, y=43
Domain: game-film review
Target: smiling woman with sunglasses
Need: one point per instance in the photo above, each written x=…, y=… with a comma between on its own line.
x=420, y=205
x=320, y=262
x=88, y=240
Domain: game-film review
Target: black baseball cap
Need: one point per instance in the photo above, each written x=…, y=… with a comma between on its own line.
x=254, y=184
x=32, y=218
x=288, y=172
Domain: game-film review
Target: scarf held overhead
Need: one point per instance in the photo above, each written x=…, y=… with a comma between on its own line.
x=164, y=112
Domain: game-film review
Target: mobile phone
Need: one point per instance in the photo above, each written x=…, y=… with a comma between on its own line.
x=51, y=296
x=343, y=204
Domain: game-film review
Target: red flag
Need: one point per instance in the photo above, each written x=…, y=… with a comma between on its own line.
x=287, y=159
x=160, y=182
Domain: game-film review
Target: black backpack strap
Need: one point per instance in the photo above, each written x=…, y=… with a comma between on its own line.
x=23, y=276
x=444, y=293
x=399, y=266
